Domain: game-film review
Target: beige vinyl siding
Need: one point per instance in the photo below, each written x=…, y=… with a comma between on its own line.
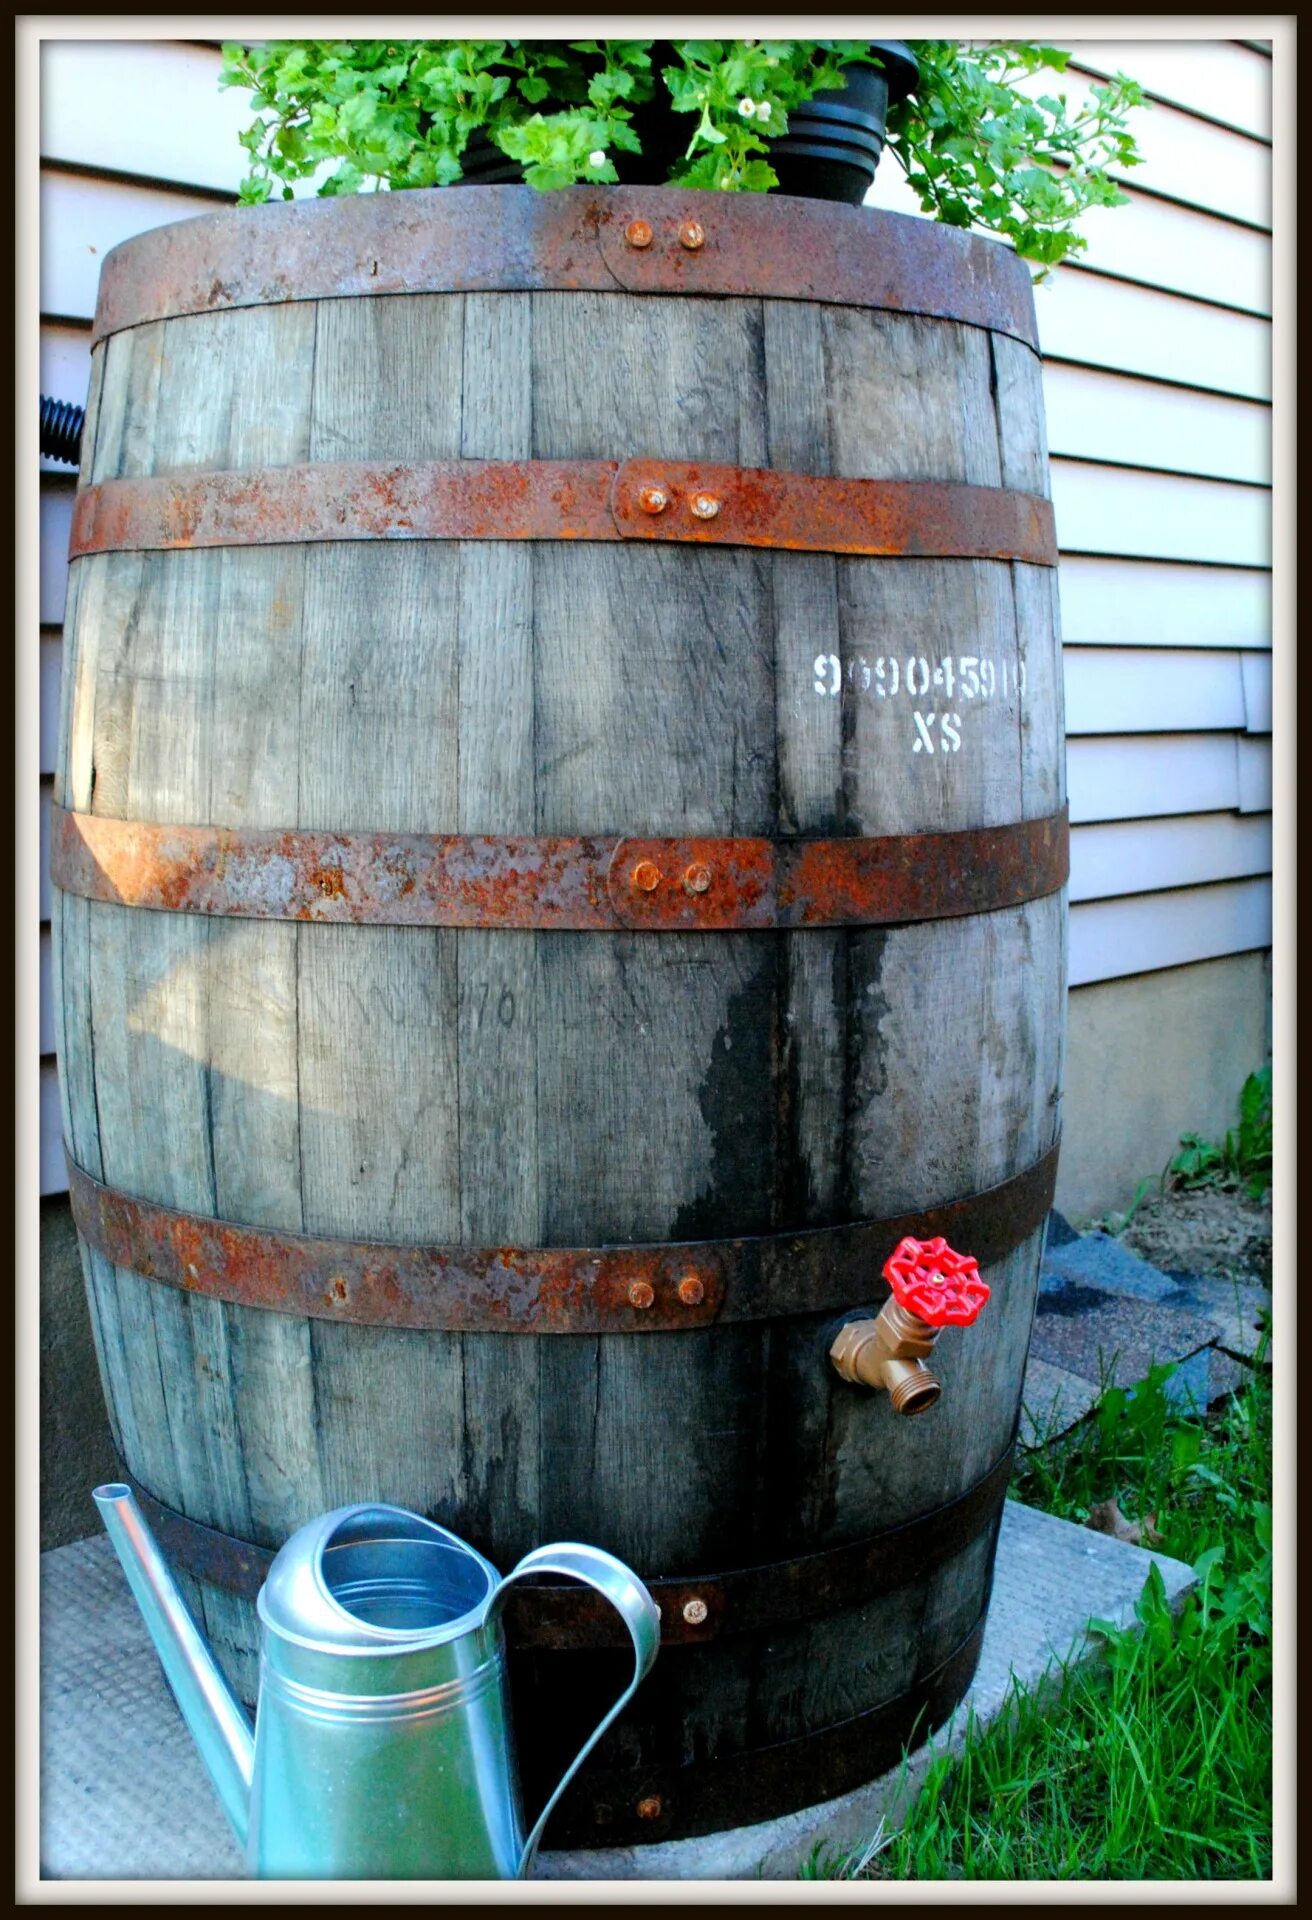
x=1218, y=80
x=1156, y=690
x=1134, y=777
x=1146, y=932
x=56, y=522
x=1180, y=250
x=1157, y=377
x=1157, y=385
x=1156, y=603
x=1146, y=856
x=1116, y=418
x=1159, y=516
x=82, y=218
x=53, y=1177
x=49, y=692
x=189, y=135
x=1186, y=159
x=1095, y=320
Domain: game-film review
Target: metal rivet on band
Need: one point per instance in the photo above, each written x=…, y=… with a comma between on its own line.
x=695, y=1612
x=692, y=235
x=697, y=879
x=654, y=500
x=646, y=876
x=638, y=233
x=641, y=1294
x=705, y=505
x=692, y=1290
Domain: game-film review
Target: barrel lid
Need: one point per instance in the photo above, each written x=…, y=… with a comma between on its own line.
x=372, y=1579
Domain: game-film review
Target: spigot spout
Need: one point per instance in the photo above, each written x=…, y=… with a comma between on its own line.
x=215, y=1719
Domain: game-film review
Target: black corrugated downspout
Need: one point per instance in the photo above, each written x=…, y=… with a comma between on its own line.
x=61, y=430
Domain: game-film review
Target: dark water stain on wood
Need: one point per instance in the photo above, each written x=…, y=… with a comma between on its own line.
x=866, y=1067
x=737, y=1097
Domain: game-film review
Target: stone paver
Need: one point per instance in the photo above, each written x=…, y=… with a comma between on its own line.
x=1105, y=1316
x=1053, y=1401
x=1235, y=1309
x=1097, y=1261
x=1117, y=1338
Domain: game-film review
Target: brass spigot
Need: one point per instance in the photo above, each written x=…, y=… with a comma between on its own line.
x=933, y=1287
x=889, y=1352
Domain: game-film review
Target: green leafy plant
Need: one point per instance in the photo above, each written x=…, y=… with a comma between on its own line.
x=1242, y=1159
x=980, y=152
x=977, y=149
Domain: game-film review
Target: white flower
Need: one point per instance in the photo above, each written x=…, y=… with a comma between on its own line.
x=747, y=107
x=597, y=158
x=763, y=111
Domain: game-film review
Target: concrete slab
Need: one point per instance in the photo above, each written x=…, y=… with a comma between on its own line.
x=123, y=1795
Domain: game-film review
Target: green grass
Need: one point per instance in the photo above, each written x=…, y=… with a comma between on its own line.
x=1155, y=1763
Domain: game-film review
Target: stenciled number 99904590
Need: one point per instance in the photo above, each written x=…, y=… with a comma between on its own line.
x=960, y=677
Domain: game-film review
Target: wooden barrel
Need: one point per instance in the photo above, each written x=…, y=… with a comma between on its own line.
x=560, y=844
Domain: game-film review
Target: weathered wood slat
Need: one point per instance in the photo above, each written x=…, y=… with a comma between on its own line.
x=531, y=1088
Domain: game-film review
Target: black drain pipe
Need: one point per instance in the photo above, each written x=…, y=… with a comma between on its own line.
x=61, y=430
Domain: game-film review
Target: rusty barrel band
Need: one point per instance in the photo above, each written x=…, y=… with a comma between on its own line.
x=513, y=240
x=562, y=1618
x=605, y=883
x=610, y=1808
x=593, y=500
x=662, y=1287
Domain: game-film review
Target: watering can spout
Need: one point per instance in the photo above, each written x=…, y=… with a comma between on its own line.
x=216, y=1721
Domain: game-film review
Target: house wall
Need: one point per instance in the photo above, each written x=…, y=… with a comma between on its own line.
x=1157, y=382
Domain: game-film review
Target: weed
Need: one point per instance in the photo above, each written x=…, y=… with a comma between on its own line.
x=1116, y=1223
x=825, y=1862
x=1243, y=1159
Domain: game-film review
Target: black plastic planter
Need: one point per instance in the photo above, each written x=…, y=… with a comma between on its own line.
x=834, y=142
x=830, y=152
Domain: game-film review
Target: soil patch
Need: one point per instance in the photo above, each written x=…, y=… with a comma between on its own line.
x=1224, y=1235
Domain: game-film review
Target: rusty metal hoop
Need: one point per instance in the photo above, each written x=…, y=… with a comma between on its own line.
x=694, y=1608
x=594, y=500
x=612, y=1807
x=511, y=239
x=540, y=1290
x=607, y=883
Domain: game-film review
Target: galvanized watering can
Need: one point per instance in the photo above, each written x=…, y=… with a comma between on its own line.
x=382, y=1744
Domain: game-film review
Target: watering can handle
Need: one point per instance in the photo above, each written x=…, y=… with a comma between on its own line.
x=640, y=1614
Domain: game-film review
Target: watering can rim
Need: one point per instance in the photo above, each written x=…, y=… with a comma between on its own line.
x=295, y=1590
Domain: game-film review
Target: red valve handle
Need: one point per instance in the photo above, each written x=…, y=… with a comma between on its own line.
x=940, y=1287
